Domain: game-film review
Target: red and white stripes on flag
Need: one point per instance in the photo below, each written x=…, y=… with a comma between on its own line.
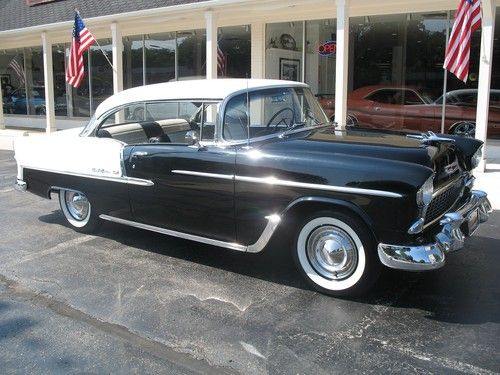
x=82, y=40
x=467, y=20
x=221, y=62
x=18, y=69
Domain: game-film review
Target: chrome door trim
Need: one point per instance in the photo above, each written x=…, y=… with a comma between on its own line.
x=275, y=181
x=121, y=179
x=340, y=189
x=272, y=223
x=204, y=174
x=270, y=180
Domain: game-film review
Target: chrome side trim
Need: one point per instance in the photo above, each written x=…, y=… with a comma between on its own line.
x=275, y=181
x=259, y=245
x=203, y=174
x=272, y=223
x=122, y=180
x=341, y=189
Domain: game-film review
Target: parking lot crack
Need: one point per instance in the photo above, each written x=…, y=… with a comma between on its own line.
x=156, y=348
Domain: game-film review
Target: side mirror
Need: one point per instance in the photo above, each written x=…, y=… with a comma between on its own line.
x=191, y=137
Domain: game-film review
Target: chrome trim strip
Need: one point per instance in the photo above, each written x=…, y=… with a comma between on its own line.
x=274, y=181
x=203, y=174
x=273, y=222
x=341, y=189
x=259, y=245
x=122, y=180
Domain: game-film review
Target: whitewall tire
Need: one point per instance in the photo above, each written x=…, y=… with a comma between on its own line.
x=336, y=254
x=77, y=210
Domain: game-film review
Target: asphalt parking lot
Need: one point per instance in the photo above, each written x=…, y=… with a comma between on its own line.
x=129, y=301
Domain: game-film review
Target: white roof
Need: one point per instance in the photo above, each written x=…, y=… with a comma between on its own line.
x=213, y=89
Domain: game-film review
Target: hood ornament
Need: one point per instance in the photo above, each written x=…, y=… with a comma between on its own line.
x=430, y=137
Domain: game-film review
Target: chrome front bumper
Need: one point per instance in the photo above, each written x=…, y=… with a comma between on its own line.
x=455, y=227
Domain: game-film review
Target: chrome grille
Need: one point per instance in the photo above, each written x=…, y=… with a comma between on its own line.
x=443, y=201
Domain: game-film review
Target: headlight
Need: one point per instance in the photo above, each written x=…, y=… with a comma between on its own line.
x=476, y=158
x=424, y=194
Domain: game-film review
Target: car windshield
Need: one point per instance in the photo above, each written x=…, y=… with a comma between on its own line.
x=269, y=111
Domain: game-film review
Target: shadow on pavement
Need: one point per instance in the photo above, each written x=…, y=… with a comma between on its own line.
x=464, y=291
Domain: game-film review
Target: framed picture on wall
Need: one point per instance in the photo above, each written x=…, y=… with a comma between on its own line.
x=5, y=79
x=290, y=69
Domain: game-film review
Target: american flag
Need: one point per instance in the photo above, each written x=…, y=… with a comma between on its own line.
x=18, y=69
x=221, y=61
x=467, y=20
x=82, y=40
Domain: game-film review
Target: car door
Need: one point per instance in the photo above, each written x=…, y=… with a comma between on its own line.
x=384, y=112
x=417, y=114
x=192, y=187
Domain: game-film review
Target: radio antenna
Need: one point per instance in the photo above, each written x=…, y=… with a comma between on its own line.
x=248, y=116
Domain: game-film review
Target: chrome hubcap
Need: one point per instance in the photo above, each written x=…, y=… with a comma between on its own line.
x=332, y=252
x=78, y=205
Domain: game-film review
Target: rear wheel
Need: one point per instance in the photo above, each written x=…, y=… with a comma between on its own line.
x=78, y=211
x=335, y=253
x=351, y=120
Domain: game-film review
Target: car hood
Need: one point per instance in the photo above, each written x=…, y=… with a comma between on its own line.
x=378, y=144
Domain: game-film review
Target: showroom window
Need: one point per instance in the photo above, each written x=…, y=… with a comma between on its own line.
x=96, y=86
x=22, y=80
x=234, y=52
x=159, y=57
x=405, y=52
x=163, y=57
x=286, y=58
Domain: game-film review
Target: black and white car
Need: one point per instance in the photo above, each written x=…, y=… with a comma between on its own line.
x=233, y=163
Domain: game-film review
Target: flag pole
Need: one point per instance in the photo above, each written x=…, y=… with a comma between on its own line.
x=106, y=56
x=98, y=45
x=445, y=80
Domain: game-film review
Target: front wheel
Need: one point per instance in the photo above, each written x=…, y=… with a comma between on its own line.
x=464, y=128
x=335, y=253
x=78, y=211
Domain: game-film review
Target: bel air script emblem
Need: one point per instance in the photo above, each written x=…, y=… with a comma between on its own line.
x=451, y=168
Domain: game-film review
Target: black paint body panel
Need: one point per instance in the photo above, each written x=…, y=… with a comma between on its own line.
x=232, y=210
x=106, y=197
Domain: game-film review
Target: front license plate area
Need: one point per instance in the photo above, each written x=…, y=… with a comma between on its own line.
x=472, y=221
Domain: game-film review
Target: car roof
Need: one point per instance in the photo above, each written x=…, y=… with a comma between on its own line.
x=362, y=92
x=201, y=89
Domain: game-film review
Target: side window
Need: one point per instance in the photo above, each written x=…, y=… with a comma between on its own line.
x=408, y=97
x=382, y=96
x=156, y=122
x=208, y=120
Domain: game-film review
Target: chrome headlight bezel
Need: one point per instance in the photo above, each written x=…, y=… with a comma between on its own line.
x=476, y=158
x=424, y=194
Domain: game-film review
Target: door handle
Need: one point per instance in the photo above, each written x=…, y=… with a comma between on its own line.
x=137, y=154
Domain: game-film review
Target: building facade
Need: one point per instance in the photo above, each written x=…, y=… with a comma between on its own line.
x=341, y=48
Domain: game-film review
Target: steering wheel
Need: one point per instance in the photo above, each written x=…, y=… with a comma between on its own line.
x=282, y=121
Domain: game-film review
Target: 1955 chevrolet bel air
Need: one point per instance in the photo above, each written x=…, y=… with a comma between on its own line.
x=233, y=163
